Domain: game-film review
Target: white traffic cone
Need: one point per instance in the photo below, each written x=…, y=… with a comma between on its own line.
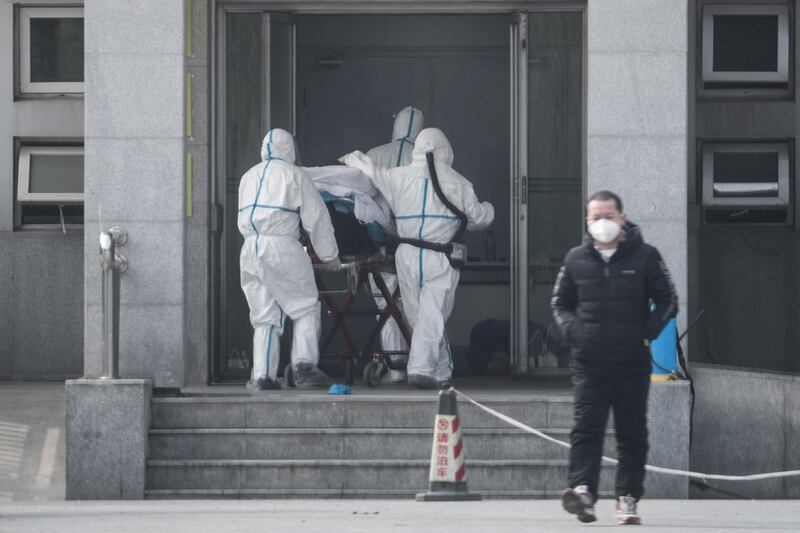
x=448, y=474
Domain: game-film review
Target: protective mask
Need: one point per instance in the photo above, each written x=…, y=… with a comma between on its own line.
x=604, y=230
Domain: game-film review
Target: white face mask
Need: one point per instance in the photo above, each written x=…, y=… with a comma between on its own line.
x=604, y=230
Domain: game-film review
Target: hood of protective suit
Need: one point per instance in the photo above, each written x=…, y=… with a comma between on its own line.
x=432, y=140
x=278, y=144
x=407, y=124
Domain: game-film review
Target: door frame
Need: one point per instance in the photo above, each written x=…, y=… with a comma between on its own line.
x=518, y=167
x=518, y=254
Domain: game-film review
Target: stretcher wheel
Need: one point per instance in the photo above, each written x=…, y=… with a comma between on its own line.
x=373, y=373
x=349, y=371
x=289, y=373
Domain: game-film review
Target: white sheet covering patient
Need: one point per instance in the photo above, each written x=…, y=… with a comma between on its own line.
x=350, y=183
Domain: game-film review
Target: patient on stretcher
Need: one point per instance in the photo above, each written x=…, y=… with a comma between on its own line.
x=362, y=220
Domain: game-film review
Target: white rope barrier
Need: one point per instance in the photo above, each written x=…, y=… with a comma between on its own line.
x=650, y=468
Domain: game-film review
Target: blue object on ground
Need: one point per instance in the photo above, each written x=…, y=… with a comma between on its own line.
x=339, y=390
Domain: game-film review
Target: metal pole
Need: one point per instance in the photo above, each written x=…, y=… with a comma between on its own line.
x=112, y=265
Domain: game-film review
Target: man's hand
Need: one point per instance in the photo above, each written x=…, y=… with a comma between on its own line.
x=334, y=265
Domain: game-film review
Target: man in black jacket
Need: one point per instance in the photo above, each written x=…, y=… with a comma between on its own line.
x=612, y=297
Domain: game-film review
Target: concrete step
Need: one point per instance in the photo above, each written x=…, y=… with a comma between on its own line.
x=349, y=443
x=354, y=475
x=206, y=494
x=295, y=411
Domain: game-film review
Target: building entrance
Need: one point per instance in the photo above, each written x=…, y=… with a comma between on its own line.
x=507, y=89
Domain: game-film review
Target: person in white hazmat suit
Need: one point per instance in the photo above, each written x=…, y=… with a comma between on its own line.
x=407, y=125
x=427, y=280
x=275, y=197
x=398, y=153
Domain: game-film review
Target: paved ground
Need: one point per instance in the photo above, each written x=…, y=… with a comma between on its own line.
x=342, y=516
x=32, y=492
x=32, y=453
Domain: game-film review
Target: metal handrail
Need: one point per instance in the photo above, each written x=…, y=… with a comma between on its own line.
x=113, y=264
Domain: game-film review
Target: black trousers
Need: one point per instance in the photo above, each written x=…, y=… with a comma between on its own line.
x=627, y=396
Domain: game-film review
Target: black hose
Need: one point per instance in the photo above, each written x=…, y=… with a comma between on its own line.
x=438, y=190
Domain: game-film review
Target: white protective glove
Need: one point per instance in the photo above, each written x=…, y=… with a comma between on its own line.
x=357, y=160
x=334, y=265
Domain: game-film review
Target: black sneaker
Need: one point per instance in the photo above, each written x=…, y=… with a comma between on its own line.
x=579, y=501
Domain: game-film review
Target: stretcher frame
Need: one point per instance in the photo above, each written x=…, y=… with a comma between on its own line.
x=358, y=269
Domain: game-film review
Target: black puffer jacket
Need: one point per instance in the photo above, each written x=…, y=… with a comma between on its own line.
x=603, y=309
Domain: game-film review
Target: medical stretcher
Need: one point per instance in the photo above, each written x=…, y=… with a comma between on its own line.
x=339, y=304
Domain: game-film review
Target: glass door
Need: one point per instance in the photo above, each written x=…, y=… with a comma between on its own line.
x=257, y=55
x=546, y=163
x=279, y=71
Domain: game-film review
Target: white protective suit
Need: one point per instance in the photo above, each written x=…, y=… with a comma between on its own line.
x=427, y=281
x=398, y=153
x=407, y=125
x=275, y=197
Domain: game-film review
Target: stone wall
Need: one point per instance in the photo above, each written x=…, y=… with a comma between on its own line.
x=637, y=119
x=745, y=422
x=41, y=294
x=135, y=153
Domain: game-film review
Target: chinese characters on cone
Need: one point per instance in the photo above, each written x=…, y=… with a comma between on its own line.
x=448, y=472
x=447, y=463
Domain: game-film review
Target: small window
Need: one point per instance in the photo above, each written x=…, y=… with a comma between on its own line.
x=746, y=45
x=49, y=185
x=51, y=50
x=746, y=182
x=50, y=174
x=746, y=174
